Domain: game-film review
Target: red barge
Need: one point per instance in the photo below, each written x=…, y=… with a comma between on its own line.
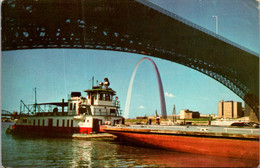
x=236, y=145
x=79, y=115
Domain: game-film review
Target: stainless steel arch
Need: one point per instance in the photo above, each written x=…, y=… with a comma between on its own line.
x=160, y=86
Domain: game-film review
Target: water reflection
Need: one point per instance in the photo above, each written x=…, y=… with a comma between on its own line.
x=82, y=153
x=104, y=154
x=49, y=152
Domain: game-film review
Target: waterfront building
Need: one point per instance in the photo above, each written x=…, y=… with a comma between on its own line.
x=230, y=109
x=187, y=114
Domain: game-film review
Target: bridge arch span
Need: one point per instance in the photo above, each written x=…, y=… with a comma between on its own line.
x=138, y=26
x=160, y=86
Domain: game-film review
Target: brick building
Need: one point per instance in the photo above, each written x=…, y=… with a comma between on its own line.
x=230, y=109
x=187, y=114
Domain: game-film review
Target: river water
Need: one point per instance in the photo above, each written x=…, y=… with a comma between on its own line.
x=49, y=152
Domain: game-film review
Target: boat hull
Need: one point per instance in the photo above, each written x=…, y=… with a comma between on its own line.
x=45, y=131
x=242, y=148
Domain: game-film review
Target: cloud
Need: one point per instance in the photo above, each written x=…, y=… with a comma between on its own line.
x=141, y=107
x=169, y=95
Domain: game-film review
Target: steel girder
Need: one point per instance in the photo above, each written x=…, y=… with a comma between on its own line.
x=5, y=113
x=130, y=26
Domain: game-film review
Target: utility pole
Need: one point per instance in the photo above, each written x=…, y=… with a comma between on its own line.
x=258, y=14
x=216, y=23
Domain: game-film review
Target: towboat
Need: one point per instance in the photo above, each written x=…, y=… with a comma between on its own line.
x=80, y=114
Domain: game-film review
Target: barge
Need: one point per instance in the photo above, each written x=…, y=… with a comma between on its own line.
x=216, y=141
x=80, y=114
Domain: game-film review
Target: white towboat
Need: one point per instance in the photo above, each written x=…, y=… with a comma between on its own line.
x=80, y=114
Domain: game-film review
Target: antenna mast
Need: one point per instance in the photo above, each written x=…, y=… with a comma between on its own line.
x=35, y=100
x=92, y=81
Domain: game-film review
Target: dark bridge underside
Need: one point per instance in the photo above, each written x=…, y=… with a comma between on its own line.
x=130, y=26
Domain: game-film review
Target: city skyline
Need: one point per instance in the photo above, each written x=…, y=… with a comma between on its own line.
x=57, y=72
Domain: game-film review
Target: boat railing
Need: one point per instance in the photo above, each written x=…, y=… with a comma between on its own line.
x=242, y=130
x=159, y=127
x=33, y=109
x=44, y=114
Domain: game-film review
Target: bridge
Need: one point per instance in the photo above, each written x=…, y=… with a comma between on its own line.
x=136, y=26
x=8, y=116
x=6, y=113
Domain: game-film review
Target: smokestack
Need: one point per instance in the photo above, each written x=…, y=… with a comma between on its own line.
x=62, y=106
x=106, y=83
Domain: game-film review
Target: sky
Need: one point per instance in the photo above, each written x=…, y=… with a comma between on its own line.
x=57, y=72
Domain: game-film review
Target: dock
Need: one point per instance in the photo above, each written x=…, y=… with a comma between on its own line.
x=93, y=136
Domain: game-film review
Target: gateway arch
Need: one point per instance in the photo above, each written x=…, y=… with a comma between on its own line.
x=160, y=87
x=136, y=26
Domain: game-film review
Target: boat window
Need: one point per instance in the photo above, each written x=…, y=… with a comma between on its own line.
x=71, y=123
x=43, y=122
x=39, y=122
x=25, y=120
x=107, y=97
x=99, y=122
x=34, y=122
x=112, y=110
x=57, y=123
x=101, y=96
x=89, y=110
x=70, y=105
x=68, y=123
x=63, y=123
x=50, y=122
x=74, y=106
x=95, y=96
